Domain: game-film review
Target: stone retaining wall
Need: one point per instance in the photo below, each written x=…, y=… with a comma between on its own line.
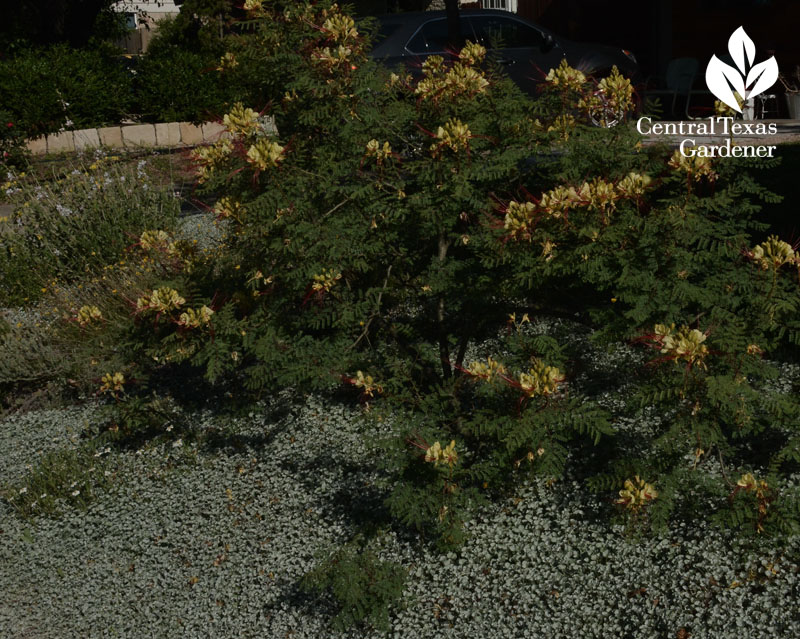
x=131, y=136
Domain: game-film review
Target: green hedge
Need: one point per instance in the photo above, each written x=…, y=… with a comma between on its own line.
x=46, y=90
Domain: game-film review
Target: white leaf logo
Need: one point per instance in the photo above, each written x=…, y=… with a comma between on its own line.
x=723, y=79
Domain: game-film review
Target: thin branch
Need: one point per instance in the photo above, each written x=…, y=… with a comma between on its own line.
x=374, y=314
x=444, y=347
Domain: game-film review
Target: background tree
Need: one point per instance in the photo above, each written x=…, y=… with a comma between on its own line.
x=44, y=22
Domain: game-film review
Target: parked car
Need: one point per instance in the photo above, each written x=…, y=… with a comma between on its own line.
x=526, y=50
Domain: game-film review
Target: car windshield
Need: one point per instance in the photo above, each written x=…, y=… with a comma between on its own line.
x=496, y=32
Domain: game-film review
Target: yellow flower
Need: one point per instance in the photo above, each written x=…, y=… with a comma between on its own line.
x=519, y=219
x=325, y=281
x=331, y=59
x=253, y=6
x=227, y=207
x=438, y=455
x=375, y=150
x=634, y=184
x=488, y=371
x=454, y=135
x=87, y=314
x=695, y=166
x=564, y=77
x=112, y=383
x=472, y=54
x=367, y=383
x=341, y=28
x=241, y=121
x=540, y=379
x=558, y=201
x=265, y=154
x=684, y=344
x=563, y=125
x=459, y=81
x=154, y=240
x=227, y=62
x=210, y=158
x=162, y=300
x=636, y=494
x=773, y=253
x=194, y=319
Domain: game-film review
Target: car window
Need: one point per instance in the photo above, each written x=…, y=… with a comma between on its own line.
x=432, y=36
x=495, y=32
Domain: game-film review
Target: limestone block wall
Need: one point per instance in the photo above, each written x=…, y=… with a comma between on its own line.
x=132, y=136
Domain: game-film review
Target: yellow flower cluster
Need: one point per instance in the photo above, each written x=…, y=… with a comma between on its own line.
x=241, y=121
x=558, y=201
x=597, y=195
x=195, y=318
x=461, y=80
x=341, y=28
x=613, y=98
x=684, y=344
x=761, y=490
x=454, y=135
x=227, y=207
x=88, y=314
x=488, y=370
x=253, y=6
x=564, y=77
x=367, y=383
x=694, y=166
x=540, y=379
x=375, y=150
x=227, y=62
x=438, y=455
x=154, y=240
x=751, y=484
x=472, y=54
x=325, y=281
x=773, y=254
x=633, y=185
x=618, y=90
x=112, y=383
x=265, y=154
x=333, y=58
x=162, y=300
x=519, y=219
x=210, y=158
x=398, y=81
x=563, y=125
x=636, y=494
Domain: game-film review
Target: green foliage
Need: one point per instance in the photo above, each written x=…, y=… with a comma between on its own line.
x=174, y=84
x=363, y=586
x=50, y=89
x=397, y=224
x=63, y=478
x=393, y=242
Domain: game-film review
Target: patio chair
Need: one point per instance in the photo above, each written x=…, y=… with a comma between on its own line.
x=681, y=73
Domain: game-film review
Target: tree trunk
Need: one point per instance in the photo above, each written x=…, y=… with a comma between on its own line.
x=453, y=25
